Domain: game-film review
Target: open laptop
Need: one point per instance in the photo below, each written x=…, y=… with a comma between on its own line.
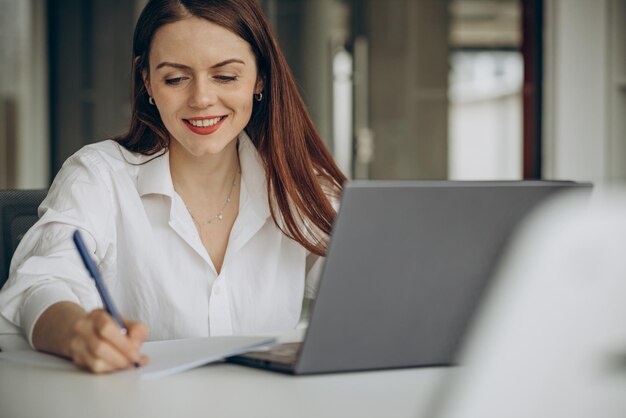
x=407, y=264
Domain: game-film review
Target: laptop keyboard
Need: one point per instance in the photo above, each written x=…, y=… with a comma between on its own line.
x=282, y=353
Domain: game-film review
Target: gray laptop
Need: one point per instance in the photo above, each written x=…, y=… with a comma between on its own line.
x=407, y=264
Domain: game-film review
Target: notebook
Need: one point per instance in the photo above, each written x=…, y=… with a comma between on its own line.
x=167, y=357
x=406, y=266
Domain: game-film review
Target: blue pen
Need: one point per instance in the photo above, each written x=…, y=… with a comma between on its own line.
x=107, y=302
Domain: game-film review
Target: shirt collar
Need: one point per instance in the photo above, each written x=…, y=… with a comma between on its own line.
x=253, y=181
x=154, y=176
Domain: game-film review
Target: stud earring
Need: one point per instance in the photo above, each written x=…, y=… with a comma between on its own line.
x=258, y=96
x=151, y=100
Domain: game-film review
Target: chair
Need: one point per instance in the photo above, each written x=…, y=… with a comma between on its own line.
x=18, y=212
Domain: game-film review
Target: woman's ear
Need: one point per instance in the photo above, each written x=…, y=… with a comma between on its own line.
x=146, y=82
x=260, y=85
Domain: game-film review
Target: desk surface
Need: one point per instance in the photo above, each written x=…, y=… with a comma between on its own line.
x=220, y=390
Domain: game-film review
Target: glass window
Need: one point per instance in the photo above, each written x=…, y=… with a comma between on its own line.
x=486, y=76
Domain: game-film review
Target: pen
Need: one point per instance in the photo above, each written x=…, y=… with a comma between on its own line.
x=107, y=302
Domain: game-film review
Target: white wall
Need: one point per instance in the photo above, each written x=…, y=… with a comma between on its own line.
x=485, y=138
x=485, y=112
x=579, y=143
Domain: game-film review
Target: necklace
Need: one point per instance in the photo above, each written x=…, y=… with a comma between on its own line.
x=220, y=214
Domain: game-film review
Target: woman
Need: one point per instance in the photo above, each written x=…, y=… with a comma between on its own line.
x=204, y=218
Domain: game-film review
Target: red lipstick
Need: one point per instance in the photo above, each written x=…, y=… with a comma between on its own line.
x=204, y=130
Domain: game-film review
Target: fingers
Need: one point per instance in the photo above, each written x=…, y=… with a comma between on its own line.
x=98, y=356
x=137, y=332
x=97, y=343
x=108, y=330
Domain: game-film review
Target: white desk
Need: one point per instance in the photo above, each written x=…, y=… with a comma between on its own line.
x=218, y=390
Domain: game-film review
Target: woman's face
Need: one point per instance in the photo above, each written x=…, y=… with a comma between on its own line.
x=202, y=79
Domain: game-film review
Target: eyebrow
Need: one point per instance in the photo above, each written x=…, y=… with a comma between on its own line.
x=185, y=67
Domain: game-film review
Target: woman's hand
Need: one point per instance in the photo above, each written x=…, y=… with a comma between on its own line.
x=92, y=340
x=97, y=343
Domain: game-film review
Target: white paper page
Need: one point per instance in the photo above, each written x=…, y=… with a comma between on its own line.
x=174, y=356
x=166, y=357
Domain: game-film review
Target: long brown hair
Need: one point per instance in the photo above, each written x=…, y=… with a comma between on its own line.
x=299, y=170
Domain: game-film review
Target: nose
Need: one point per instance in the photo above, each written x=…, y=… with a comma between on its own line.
x=202, y=94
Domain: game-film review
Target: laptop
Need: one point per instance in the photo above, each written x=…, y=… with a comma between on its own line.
x=405, y=269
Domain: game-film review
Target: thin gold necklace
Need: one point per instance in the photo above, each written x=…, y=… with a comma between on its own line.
x=220, y=215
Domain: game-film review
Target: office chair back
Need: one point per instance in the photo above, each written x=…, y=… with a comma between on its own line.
x=18, y=212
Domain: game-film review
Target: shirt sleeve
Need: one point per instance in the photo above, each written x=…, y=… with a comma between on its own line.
x=314, y=266
x=46, y=267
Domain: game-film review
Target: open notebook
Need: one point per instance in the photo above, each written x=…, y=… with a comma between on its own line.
x=166, y=357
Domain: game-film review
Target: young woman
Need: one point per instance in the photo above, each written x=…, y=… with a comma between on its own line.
x=205, y=218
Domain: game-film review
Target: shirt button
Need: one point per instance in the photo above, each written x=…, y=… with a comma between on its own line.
x=216, y=290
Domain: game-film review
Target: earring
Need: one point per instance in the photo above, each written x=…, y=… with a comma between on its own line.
x=151, y=100
x=258, y=96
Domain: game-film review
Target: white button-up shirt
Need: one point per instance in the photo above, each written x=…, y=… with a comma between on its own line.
x=150, y=254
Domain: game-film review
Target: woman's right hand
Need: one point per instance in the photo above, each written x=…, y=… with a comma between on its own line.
x=91, y=340
x=97, y=343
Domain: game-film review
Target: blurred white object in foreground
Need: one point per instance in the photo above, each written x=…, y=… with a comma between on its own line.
x=550, y=340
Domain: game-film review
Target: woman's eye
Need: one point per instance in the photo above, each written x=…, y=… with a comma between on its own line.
x=174, y=81
x=225, y=78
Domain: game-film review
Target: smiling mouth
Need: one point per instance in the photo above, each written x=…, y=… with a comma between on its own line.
x=203, y=123
x=204, y=126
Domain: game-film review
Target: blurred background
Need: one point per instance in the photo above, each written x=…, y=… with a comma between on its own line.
x=399, y=89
